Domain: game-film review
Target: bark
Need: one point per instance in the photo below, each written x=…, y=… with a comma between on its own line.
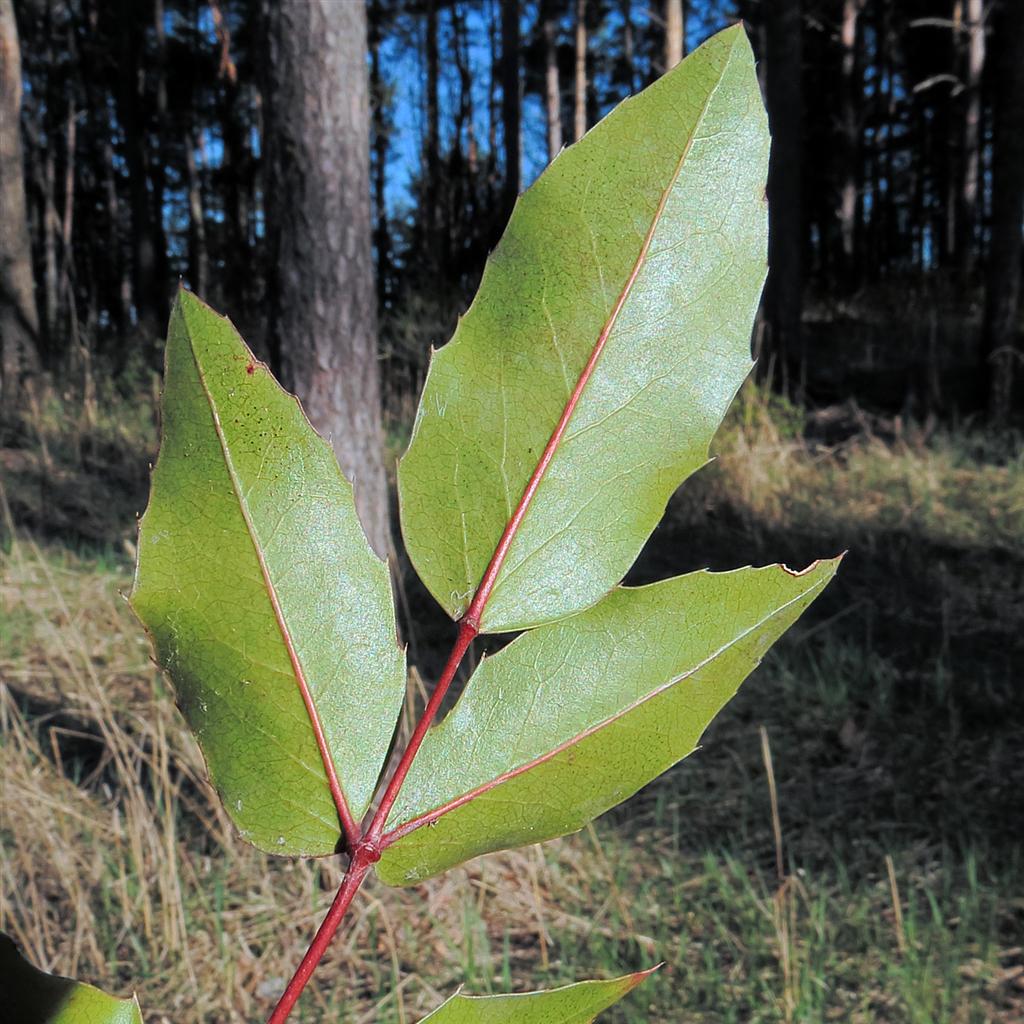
x=492, y=84
x=51, y=228
x=237, y=168
x=580, y=97
x=849, y=149
x=464, y=111
x=510, y=100
x=19, y=318
x=784, y=291
x=674, y=33
x=323, y=306
x=967, y=220
x=628, y=46
x=379, y=128
x=198, y=259
x=431, y=143
x=157, y=159
x=147, y=290
x=121, y=300
x=1002, y=350
x=552, y=86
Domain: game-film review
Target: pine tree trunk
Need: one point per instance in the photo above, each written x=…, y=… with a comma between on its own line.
x=198, y=260
x=510, y=111
x=19, y=318
x=628, y=45
x=432, y=141
x=147, y=289
x=379, y=126
x=580, y=97
x=552, y=86
x=849, y=149
x=971, y=163
x=674, y=33
x=784, y=291
x=324, y=310
x=1003, y=282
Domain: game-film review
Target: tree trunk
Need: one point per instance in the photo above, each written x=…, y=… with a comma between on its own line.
x=323, y=306
x=1003, y=285
x=675, y=44
x=967, y=220
x=628, y=46
x=580, y=98
x=237, y=169
x=552, y=87
x=120, y=298
x=147, y=289
x=510, y=99
x=19, y=318
x=784, y=291
x=432, y=141
x=379, y=128
x=198, y=260
x=849, y=149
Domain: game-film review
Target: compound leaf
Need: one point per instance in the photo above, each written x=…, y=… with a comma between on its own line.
x=266, y=606
x=643, y=245
x=31, y=996
x=573, y=1004
x=572, y=718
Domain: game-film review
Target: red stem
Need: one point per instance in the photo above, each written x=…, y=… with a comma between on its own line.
x=357, y=870
x=467, y=630
x=366, y=849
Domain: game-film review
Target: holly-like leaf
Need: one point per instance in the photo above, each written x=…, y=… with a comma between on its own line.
x=572, y=718
x=31, y=996
x=573, y=1004
x=265, y=604
x=630, y=272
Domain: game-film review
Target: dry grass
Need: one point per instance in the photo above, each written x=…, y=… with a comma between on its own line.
x=119, y=867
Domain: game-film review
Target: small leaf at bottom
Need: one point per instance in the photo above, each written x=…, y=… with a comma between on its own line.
x=31, y=996
x=573, y=1004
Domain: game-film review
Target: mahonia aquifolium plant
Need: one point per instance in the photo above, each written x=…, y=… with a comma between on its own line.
x=610, y=333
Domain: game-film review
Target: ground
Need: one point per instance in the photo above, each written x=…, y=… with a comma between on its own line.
x=845, y=846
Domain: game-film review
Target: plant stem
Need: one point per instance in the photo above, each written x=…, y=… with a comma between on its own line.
x=467, y=630
x=366, y=850
x=357, y=871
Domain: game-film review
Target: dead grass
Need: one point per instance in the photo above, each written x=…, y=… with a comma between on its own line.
x=119, y=867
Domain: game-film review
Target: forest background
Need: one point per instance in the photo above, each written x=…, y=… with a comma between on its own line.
x=847, y=845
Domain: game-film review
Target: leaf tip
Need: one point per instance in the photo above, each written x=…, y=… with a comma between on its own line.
x=639, y=977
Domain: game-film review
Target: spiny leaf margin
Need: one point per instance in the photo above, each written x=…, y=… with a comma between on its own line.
x=572, y=1004
x=572, y=718
x=253, y=572
x=691, y=149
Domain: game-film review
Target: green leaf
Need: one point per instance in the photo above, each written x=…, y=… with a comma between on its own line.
x=650, y=231
x=572, y=718
x=254, y=578
x=573, y=1004
x=31, y=996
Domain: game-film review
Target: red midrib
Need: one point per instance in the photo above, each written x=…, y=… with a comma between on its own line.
x=470, y=622
x=348, y=823
x=439, y=812
x=475, y=611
